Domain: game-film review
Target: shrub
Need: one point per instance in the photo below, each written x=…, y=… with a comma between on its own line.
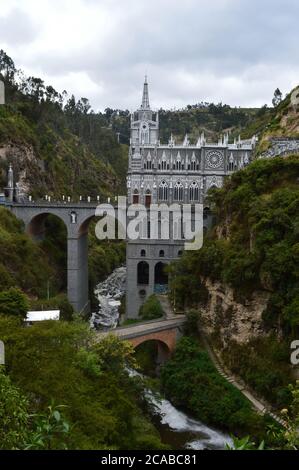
x=13, y=302
x=192, y=381
x=151, y=309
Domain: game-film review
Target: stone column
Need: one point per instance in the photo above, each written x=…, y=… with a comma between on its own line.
x=77, y=272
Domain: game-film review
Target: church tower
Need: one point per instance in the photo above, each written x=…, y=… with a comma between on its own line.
x=144, y=123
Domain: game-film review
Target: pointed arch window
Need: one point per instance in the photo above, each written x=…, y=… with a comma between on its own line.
x=149, y=162
x=231, y=164
x=148, y=198
x=163, y=191
x=194, y=192
x=179, y=192
x=178, y=165
x=136, y=196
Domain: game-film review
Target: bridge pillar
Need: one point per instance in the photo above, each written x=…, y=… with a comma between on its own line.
x=77, y=272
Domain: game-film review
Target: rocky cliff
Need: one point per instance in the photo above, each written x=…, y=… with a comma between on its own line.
x=229, y=319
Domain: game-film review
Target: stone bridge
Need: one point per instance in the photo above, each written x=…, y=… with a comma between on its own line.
x=165, y=332
x=76, y=218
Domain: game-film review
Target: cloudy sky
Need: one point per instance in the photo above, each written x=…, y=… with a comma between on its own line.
x=234, y=51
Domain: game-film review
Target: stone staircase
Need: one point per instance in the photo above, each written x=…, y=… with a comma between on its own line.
x=261, y=406
x=167, y=308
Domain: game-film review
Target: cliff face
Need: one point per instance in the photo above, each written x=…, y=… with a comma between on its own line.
x=27, y=167
x=245, y=277
x=230, y=319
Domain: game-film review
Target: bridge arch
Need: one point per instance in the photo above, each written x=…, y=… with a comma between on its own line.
x=157, y=349
x=76, y=218
x=35, y=228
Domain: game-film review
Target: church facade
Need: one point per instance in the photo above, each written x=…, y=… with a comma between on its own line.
x=171, y=173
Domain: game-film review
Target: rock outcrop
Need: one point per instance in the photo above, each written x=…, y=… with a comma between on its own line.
x=27, y=167
x=229, y=318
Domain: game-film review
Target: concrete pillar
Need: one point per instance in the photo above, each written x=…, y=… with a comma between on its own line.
x=77, y=272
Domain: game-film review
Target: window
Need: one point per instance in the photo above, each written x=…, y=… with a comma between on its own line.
x=180, y=253
x=194, y=192
x=178, y=165
x=136, y=197
x=143, y=273
x=148, y=198
x=161, y=254
x=161, y=276
x=179, y=192
x=163, y=191
x=143, y=253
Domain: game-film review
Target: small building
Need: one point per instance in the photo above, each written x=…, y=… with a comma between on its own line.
x=42, y=315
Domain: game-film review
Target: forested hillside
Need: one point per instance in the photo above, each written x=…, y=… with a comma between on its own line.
x=57, y=145
x=245, y=281
x=278, y=122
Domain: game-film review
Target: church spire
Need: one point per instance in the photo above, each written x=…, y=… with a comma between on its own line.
x=145, y=97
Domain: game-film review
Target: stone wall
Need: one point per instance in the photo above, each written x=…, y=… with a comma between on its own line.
x=281, y=148
x=232, y=320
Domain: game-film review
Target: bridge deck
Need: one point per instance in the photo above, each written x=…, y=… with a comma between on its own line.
x=142, y=329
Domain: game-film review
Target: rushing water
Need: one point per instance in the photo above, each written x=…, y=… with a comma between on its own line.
x=109, y=294
x=180, y=430
x=176, y=428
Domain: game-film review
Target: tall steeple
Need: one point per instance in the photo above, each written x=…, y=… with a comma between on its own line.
x=145, y=97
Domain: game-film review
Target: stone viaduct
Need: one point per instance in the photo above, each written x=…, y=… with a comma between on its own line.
x=76, y=218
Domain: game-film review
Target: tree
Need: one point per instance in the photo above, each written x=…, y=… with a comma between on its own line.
x=151, y=309
x=7, y=66
x=13, y=415
x=277, y=97
x=13, y=302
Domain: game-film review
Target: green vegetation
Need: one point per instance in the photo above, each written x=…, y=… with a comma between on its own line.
x=192, y=382
x=263, y=364
x=13, y=302
x=282, y=439
x=151, y=309
x=59, y=362
x=254, y=246
x=204, y=117
x=38, y=268
x=64, y=147
x=23, y=262
x=255, y=243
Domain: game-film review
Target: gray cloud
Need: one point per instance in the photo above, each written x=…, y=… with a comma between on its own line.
x=17, y=28
x=235, y=51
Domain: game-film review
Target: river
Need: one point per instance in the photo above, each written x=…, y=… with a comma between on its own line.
x=109, y=294
x=176, y=428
